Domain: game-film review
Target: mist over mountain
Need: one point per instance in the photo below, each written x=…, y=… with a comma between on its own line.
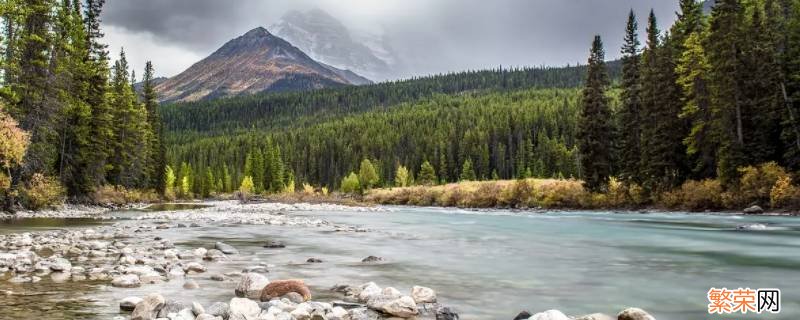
x=328, y=40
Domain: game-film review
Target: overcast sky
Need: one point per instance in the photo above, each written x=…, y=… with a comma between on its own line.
x=433, y=35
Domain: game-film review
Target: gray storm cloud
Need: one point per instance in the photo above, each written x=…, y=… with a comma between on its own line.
x=431, y=35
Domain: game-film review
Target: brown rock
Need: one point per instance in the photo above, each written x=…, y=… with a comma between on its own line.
x=280, y=288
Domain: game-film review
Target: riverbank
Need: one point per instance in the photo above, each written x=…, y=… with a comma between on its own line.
x=546, y=194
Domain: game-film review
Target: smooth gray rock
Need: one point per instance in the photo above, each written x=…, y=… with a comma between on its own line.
x=596, y=316
x=423, y=294
x=754, y=210
x=126, y=281
x=549, y=315
x=197, y=308
x=250, y=285
x=149, y=307
x=219, y=309
x=171, y=306
x=225, y=248
x=244, y=309
x=191, y=285
x=129, y=303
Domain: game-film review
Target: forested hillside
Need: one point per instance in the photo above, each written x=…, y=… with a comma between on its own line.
x=709, y=102
x=493, y=118
x=70, y=124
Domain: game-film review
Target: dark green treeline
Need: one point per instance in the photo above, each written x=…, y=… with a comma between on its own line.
x=87, y=126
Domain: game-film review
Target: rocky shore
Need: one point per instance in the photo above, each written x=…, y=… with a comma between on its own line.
x=132, y=254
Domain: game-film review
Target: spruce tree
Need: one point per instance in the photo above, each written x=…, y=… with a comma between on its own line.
x=158, y=157
x=467, y=172
x=629, y=114
x=724, y=57
x=594, y=124
x=427, y=174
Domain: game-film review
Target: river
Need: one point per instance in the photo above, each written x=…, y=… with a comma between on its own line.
x=485, y=264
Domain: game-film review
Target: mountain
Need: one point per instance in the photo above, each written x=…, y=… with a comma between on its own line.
x=253, y=63
x=326, y=39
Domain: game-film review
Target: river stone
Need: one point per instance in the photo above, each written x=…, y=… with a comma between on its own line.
x=314, y=260
x=197, y=308
x=279, y=288
x=754, y=210
x=60, y=265
x=206, y=316
x=129, y=303
x=176, y=272
x=217, y=277
x=423, y=294
x=634, y=314
x=371, y=259
x=391, y=292
x=364, y=314
x=219, y=309
x=149, y=307
x=191, y=285
x=213, y=255
x=194, y=267
x=225, y=248
x=244, y=309
x=596, y=316
x=171, y=306
x=294, y=297
x=549, y=315
x=368, y=290
x=200, y=252
x=523, y=315
x=184, y=314
x=251, y=285
x=403, y=307
x=126, y=281
x=337, y=313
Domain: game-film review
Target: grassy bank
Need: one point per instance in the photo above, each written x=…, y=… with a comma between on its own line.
x=570, y=194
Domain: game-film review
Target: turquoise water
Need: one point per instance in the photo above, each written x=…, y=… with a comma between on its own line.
x=493, y=264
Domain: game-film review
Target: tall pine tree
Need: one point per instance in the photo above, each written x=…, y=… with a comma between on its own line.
x=629, y=114
x=594, y=124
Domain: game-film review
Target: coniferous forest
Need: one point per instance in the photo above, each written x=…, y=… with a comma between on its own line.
x=708, y=103
x=710, y=97
x=71, y=121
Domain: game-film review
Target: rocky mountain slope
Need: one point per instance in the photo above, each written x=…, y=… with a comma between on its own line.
x=255, y=62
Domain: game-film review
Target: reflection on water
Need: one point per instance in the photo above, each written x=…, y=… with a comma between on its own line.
x=491, y=265
x=43, y=224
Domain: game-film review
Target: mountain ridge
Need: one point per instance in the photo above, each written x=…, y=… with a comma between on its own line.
x=254, y=62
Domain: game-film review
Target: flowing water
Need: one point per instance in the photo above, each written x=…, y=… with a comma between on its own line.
x=485, y=264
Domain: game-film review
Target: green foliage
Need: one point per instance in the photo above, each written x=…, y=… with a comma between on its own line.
x=367, y=176
x=629, y=121
x=467, y=172
x=402, y=177
x=350, y=184
x=169, y=183
x=42, y=192
x=427, y=174
x=594, y=124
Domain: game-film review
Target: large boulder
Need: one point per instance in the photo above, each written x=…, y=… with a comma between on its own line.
x=423, y=294
x=251, y=285
x=754, y=210
x=126, y=281
x=225, y=248
x=149, y=307
x=219, y=309
x=244, y=309
x=634, y=314
x=279, y=288
x=171, y=306
x=549, y=315
x=364, y=314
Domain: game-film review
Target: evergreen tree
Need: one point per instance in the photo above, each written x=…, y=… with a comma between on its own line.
x=629, y=114
x=467, y=172
x=594, y=124
x=427, y=174
x=693, y=72
x=209, y=186
x=724, y=57
x=350, y=184
x=227, y=180
x=157, y=150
